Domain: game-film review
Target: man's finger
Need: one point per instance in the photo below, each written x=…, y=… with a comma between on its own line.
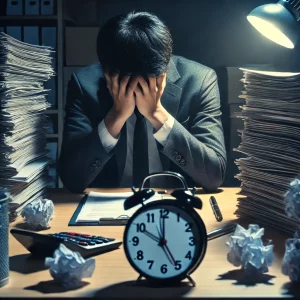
x=138, y=92
x=152, y=84
x=115, y=84
x=144, y=85
x=123, y=84
x=161, y=84
x=161, y=80
x=108, y=81
x=132, y=85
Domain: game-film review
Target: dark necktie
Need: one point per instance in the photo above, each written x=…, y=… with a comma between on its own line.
x=140, y=167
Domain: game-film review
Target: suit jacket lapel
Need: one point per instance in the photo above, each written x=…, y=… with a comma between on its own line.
x=121, y=152
x=170, y=101
x=172, y=93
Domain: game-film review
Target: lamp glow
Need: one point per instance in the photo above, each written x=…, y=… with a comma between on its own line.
x=271, y=32
x=277, y=21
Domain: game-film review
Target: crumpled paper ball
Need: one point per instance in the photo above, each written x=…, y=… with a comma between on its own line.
x=291, y=260
x=292, y=199
x=69, y=267
x=247, y=250
x=38, y=213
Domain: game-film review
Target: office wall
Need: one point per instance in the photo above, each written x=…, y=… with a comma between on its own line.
x=215, y=33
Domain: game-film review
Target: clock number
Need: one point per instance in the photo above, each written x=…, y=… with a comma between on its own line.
x=189, y=227
x=178, y=217
x=140, y=255
x=189, y=255
x=164, y=269
x=151, y=263
x=177, y=264
x=150, y=218
x=135, y=241
x=140, y=227
x=164, y=213
x=192, y=241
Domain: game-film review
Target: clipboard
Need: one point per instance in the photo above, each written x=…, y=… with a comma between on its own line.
x=120, y=221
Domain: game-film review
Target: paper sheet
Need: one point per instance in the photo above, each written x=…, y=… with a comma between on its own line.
x=108, y=205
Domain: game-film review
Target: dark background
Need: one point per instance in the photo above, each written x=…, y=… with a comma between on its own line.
x=215, y=33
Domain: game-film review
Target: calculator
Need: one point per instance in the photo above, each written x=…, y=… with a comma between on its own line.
x=44, y=245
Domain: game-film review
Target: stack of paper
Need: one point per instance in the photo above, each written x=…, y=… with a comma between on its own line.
x=24, y=69
x=271, y=142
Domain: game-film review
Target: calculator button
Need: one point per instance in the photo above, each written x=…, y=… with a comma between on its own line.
x=85, y=235
x=83, y=239
x=105, y=240
x=59, y=237
x=98, y=241
x=72, y=240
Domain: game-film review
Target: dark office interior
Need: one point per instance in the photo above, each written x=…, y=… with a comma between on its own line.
x=260, y=191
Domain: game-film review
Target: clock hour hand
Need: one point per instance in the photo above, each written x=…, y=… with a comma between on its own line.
x=151, y=236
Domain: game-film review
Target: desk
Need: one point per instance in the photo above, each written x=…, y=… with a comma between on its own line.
x=113, y=276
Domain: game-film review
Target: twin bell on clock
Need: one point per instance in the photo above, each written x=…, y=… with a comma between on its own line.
x=165, y=240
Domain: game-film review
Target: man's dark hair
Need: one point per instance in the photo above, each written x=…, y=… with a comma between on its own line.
x=137, y=43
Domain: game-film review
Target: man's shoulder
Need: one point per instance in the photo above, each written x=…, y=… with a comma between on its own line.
x=89, y=72
x=188, y=67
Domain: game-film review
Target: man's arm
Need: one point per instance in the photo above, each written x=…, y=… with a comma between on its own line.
x=86, y=150
x=200, y=152
x=82, y=154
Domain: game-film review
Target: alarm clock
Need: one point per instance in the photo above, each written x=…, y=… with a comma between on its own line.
x=165, y=240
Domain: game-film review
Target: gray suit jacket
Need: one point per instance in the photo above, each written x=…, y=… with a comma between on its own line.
x=195, y=146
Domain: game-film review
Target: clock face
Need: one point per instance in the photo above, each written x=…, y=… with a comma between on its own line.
x=164, y=241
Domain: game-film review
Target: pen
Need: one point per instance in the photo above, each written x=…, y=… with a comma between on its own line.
x=121, y=220
x=221, y=231
x=215, y=208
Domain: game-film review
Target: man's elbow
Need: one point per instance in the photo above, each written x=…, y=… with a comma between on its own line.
x=70, y=179
x=73, y=188
x=215, y=175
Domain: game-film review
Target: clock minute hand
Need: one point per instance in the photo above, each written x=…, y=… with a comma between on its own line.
x=162, y=227
x=165, y=248
x=170, y=254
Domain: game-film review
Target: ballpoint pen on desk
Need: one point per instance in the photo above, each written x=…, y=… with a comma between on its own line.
x=215, y=208
x=121, y=220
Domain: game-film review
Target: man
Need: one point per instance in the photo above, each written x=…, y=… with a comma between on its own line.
x=141, y=110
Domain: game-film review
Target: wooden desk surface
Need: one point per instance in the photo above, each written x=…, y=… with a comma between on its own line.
x=113, y=276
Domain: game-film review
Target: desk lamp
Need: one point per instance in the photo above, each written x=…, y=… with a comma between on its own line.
x=277, y=21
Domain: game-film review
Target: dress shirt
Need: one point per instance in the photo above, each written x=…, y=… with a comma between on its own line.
x=109, y=142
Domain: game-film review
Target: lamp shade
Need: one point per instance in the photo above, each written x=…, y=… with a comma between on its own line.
x=277, y=22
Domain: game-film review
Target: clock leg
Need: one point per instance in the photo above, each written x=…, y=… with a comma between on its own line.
x=138, y=279
x=191, y=280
